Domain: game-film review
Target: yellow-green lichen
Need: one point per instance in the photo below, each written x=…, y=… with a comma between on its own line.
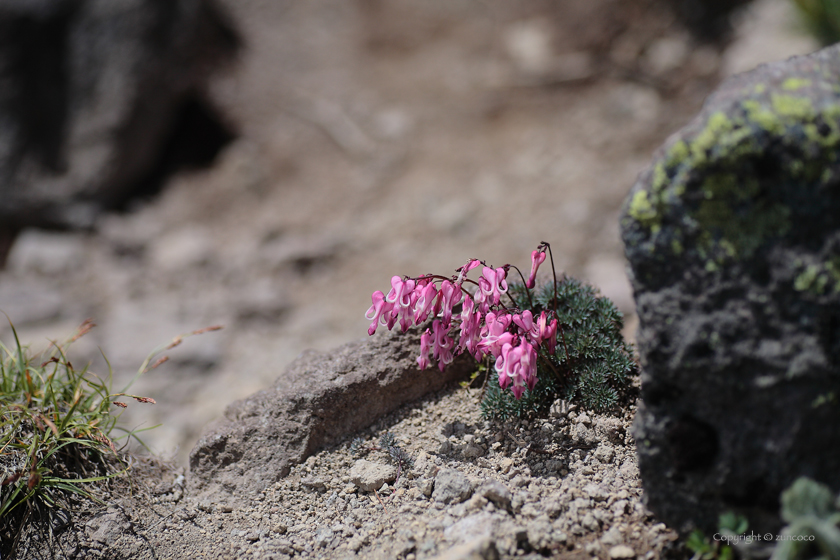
x=799, y=108
x=764, y=118
x=677, y=154
x=806, y=278
x=676, y=247
x=793, y=84
x=732, y=217
x=660, y=178
x=716, y=127
x=641, y=209
x=818, y=278
x=828, y=137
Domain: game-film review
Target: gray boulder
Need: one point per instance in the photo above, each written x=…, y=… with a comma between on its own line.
x=319, y=400
x=733, y=239
x=91, y=91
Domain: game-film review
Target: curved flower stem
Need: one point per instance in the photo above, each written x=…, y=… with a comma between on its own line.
x=516, y=305
x=554, y=273
x=524, y=283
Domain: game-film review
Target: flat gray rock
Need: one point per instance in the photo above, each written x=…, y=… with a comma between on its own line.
x=451, y=487
x=321, y=398
x=733, y=238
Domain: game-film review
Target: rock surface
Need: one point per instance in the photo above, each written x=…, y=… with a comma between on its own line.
x=90, y=92
x=733, y=239
x=317, y=401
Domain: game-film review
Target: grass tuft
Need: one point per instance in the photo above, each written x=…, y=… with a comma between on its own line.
x=58, y=431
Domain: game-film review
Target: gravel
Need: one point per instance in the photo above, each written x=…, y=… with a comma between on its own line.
x=541, y=488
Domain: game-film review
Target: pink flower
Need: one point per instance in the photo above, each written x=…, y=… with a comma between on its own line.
x=462, y=272
x=528, y=364
x=425, y=350
x=537, y=258
x=493, y=283
x=404, y=304
x=425, y=301
x=443, y=344
x=379, y=312
x=525, y=322
x=481, y=302
x=548, y=333
x=470, y=329
x=399, y=289
x=494, y=335
x=502, y=364
x=450, y=296
x=517, y=367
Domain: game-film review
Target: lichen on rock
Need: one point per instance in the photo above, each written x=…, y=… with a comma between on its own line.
x=733, y=238
x=733, y=180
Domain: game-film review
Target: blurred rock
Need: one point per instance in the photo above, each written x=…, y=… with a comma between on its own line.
x=46, y=253
x=300, y=252
x=91, y=93
x=135, y=328
x=665, y=55
x=734, y=247
x=29, y=303
x=609, y=275
x=708, y=20
x=184, y=248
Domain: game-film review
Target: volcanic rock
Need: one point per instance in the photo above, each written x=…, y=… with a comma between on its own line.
x=733, y=238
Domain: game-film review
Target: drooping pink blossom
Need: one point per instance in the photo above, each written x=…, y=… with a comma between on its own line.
x=443, y=344
x=502, y=365
x=482, y=304
x=399, y=288
x=462, y=272
x=470, y=329
x=425, y=349
x=537, y=258
x=493, y=283
x=525, y=321
x=494, y=334
x=405, y=298
x=547, y=332
x=379, y=311
x=425, y=301
x=450, y=296
x=528, y=364
x=517, y=367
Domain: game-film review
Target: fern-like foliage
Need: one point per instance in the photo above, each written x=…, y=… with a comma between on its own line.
x=592, y=362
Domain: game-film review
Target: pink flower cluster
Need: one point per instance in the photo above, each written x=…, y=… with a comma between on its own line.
x=484, y=326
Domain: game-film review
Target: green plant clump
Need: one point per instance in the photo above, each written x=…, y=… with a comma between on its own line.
x=592, y=363
x=731, y=526
x=812, y=514
x=58, y=432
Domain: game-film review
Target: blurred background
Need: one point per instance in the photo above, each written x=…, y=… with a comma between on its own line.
x=266, y=165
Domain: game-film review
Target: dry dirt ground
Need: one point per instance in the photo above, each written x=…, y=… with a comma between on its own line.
x=374, y=138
